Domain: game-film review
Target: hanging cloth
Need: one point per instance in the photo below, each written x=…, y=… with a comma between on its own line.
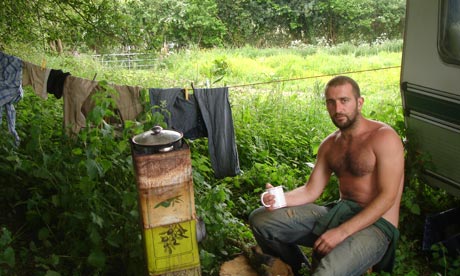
x=217, y=114
x=206, y=113
x=10, y=90
x=180, y=114
x=75, y=91
x=129, y=101
x=37, y=77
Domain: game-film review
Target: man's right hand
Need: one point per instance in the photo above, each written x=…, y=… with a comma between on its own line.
x=269, y=199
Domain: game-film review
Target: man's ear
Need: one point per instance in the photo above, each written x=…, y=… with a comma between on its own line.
x=360, y=102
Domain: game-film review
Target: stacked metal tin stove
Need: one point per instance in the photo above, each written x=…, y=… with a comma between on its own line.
x=167, y=205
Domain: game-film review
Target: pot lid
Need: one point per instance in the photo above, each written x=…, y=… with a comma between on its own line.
x=157, y=136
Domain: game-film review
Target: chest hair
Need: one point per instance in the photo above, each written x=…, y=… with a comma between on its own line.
x=354, y=159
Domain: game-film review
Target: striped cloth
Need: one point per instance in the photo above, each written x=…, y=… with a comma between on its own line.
x=10, y=90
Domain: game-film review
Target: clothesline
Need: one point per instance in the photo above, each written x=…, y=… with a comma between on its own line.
x=299, y=78
x=293, y=79
x=314, y=77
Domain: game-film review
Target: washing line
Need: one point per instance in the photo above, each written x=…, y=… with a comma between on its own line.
x=300, y=78
x=313, y=77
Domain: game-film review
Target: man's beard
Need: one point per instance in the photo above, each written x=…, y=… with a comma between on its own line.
x=349, y=122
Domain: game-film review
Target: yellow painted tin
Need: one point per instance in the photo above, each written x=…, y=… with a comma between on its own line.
x=172, y=248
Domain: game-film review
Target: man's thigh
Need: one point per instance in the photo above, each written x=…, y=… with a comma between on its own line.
x=356, y=254
x=289, y=224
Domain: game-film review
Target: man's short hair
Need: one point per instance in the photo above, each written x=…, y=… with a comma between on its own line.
x=341, y=80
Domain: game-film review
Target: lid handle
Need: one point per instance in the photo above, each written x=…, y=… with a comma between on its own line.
x=156, y=130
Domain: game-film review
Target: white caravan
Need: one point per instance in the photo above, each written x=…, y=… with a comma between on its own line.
x=430, y=87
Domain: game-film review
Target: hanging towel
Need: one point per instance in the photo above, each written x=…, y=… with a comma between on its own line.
x=55, y=83
x=206, y=113
x=75, y=92
x=180, y=114
x=37, y=77
x=217, y=114
x=10, y=90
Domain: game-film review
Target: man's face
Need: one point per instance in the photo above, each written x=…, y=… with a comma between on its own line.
x=342, y=105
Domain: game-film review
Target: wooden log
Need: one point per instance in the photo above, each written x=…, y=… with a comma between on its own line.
x=262, y=264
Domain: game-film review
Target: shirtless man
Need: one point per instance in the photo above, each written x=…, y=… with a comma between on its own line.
x=368, y=158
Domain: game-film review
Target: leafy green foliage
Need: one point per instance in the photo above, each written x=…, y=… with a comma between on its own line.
x=449, y=264
x=7, y=254
x=78, y=194
x=102, y=25
x=69, y=204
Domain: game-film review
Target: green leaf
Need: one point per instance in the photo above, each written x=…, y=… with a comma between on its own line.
x=97, y=259
x=54, y=260
x=106, y=165
x=8, y=257
x=52, y=273
x=93, y=169
x=77, y=151
x=95, y=236
x=97, y=219
x=43, y=234
x=55, y=200
x=5, y=238
x=315, y=147
x=114, y=239
x=415, y=209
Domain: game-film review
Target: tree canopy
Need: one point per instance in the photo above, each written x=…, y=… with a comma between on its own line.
x=102, y=25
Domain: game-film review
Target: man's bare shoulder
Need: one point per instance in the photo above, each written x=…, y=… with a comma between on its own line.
x=383, y=131
x=330, y=139
x=384, y=137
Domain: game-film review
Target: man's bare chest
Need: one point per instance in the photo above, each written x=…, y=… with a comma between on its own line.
x=355, y=159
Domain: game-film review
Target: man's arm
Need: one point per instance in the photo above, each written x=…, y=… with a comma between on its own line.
x=318, y=180
x=389, y=154
x=315, y=185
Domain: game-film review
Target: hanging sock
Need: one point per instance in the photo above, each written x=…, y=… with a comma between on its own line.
x=55, y=84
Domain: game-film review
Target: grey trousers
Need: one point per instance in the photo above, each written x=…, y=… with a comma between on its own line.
x=280, y=232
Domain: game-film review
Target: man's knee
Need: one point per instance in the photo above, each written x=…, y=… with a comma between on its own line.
x=257, y=218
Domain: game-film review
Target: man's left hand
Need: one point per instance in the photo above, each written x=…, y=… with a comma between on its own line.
x=329, y=240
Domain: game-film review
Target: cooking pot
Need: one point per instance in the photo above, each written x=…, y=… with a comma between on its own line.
x=156, y=140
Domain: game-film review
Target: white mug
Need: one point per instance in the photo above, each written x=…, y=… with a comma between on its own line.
x=280, y=200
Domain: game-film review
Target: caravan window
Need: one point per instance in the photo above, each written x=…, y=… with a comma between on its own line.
x=449, y=31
